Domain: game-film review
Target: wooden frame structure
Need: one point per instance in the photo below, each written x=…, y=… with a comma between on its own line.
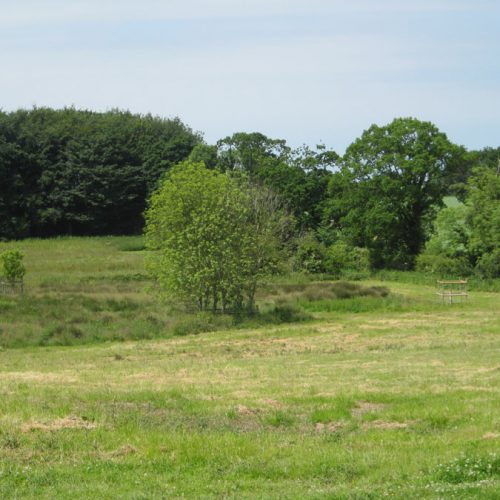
x=450, y=291
x=11, y=287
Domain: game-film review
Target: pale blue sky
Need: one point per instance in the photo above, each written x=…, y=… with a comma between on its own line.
x=303, y=71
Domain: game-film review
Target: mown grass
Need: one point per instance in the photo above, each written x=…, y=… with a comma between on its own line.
x=371, y=396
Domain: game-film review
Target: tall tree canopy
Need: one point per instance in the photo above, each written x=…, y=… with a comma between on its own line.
x=391, y=182
x=79, y=172
x=300, y=177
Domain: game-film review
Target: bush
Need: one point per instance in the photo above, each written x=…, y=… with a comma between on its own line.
x=442, y=265
x=342, y=258
x=451, y=235
x=310, y=255
x=12, y=264
x=488, y=266
x=212, y=237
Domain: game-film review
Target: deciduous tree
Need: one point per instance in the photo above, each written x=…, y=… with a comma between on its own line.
x=212, y=237
x=390, y=185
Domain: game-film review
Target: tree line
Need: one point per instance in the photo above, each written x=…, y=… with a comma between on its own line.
x=84, y=173
x=68, y=171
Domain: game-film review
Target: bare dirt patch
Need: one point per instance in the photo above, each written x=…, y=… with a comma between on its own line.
x=70, y=422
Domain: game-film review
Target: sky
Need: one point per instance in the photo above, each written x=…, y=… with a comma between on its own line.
x=316, y=71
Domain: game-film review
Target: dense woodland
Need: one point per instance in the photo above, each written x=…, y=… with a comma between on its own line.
x=72, y=172
x=82, y=173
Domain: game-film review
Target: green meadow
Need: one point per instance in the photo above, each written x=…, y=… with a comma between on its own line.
x=334, y=390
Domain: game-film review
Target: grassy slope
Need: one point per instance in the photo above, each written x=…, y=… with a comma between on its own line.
x=350, y=405
x=81, y=290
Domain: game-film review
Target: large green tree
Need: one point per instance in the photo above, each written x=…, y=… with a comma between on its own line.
x=250, y=152
x=300, y=176
x=212, y=237
x=391, y=182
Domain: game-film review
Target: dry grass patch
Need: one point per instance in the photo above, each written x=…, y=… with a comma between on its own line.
x=382, y=424
x=491, y=435
x=70, y=422
x=273, y=403
x=331, y=427
x=245, y=410
x=40, y=377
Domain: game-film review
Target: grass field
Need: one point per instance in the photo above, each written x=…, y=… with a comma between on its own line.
x=367, y=397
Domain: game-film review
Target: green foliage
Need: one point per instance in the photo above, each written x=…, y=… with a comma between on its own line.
x=206, y=154
x=442, y=265
x=285, y=312
x=79, y=172
x=452, y=202
x=213, y=237
x=12, y=265
x=451, y=234
x=484, y=211
x=249, y=152
x=391, y=180
x=342, y=258
x=467, y=237
x=310, y=255
x=447, y=254
x=488, y=265
x=300, y=177
x=474, y=283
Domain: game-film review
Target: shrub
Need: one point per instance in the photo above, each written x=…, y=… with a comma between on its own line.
x=442, y=265
x=286, y=313
x=310, y=255
x=488, y=266
x=342, y=258
x=12, y=264
x=451, y=233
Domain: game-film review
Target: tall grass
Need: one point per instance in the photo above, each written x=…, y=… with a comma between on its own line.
x=87, y=290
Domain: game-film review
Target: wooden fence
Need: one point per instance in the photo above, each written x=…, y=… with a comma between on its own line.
x=11, y=287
